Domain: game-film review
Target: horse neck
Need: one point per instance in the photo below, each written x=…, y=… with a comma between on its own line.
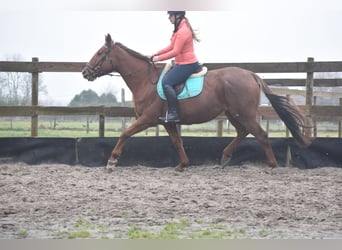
x=135, y=73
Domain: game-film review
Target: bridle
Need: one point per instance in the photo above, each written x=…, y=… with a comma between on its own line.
x=95, y=72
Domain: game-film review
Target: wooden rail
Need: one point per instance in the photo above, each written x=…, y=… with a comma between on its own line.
x=317, y=112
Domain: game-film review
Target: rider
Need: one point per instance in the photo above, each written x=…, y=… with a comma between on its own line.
x=182, y=49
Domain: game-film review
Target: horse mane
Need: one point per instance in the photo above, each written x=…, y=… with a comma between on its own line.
x=133, y=53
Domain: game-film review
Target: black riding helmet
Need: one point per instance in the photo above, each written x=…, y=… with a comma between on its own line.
x=182, y=13
x=179, y=17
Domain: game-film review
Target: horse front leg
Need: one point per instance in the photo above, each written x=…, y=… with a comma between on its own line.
x=177, y=141
x=135, y=127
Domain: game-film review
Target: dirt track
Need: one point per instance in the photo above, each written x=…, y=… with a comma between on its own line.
x=59, y=201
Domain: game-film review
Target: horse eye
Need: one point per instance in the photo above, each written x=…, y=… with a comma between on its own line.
x=99, y=53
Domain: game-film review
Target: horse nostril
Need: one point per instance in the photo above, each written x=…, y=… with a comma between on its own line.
x=85, y=75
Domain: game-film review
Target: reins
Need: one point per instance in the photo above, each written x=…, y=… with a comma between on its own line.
x=137, y=71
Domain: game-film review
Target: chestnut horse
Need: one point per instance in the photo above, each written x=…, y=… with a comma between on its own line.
x=231, y=90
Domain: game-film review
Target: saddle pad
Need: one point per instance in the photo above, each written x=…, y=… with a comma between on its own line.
x=193, y=87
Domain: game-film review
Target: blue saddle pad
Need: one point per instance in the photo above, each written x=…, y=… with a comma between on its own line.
x=192, y=88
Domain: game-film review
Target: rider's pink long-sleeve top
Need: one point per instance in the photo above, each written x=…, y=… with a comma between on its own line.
x=181, y=47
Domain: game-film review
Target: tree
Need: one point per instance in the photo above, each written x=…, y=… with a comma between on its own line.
x=108, y=99
x=15, y=87
x=90, y=98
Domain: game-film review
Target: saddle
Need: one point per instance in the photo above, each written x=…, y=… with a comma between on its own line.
x=190, y=88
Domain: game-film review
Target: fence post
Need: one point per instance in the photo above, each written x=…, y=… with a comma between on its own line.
x=287, y=131
x=102, y=122
x=309, y=94
x=315, y=122
x=340, y=123
x=123, y=104
x=34, y=101
x=219, y=128
x=288, y=156
x=101, y=125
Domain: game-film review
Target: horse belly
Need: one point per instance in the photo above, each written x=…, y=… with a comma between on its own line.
x=199, y=110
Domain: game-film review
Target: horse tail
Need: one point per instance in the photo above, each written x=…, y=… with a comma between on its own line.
x=288, y=113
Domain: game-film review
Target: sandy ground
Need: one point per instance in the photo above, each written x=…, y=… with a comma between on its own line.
x=60, y=201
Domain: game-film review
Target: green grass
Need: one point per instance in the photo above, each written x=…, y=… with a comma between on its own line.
x=184, y=229
x=113, y=127
x=22, y=234
x=126, y=228
x=83, y=228
x=79, y=234
x=179, y=229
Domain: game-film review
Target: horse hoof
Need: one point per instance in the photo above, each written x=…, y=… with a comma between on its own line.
x=270, y=170
x=179, y=168
x=109, y=170
x=111, y=165
x=225, y=161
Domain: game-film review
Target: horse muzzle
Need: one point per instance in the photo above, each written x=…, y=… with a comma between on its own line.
x=89, y=73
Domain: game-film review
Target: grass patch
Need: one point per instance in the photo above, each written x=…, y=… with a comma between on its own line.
x=264, y=232
x=82, y=229
x=186, y=230
x=126, y=228
x=135, y=232
x=79, y=235
x=22, y=234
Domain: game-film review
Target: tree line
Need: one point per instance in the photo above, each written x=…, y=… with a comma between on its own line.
x=91, y=98
x=15, y=89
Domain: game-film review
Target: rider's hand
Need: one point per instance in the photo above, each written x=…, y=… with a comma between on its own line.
x=155, y=59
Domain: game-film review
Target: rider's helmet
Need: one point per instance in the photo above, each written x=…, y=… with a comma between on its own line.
x=181, y=13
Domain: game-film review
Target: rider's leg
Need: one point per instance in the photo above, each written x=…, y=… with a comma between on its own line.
x=171, y=96
x=176, y=75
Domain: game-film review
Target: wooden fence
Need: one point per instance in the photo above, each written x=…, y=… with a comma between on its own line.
x=309, y=67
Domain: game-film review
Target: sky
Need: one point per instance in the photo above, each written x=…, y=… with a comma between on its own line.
x=230, y=31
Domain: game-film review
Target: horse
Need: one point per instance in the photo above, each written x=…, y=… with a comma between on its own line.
x=231, y=90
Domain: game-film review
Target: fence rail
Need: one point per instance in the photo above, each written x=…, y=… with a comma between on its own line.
x=317, y=112
x=272, y=67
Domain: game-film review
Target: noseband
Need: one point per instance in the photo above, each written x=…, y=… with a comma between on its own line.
x=94, y=71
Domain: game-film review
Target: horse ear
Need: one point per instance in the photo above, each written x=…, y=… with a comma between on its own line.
x=109, y=39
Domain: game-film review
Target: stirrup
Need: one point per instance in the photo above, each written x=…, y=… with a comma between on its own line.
x=167, y=119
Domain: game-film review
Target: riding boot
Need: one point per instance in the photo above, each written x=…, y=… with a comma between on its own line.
x=171, y=97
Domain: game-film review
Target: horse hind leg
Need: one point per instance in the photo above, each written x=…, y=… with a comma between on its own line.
x=241, y=134
x=243, y=128
x=262, y=137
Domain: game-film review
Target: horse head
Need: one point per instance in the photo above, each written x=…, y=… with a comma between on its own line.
x=101, y=63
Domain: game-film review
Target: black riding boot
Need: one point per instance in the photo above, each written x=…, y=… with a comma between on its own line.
x=172, y=113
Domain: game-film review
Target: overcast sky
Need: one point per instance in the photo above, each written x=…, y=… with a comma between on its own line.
x=231, y=31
